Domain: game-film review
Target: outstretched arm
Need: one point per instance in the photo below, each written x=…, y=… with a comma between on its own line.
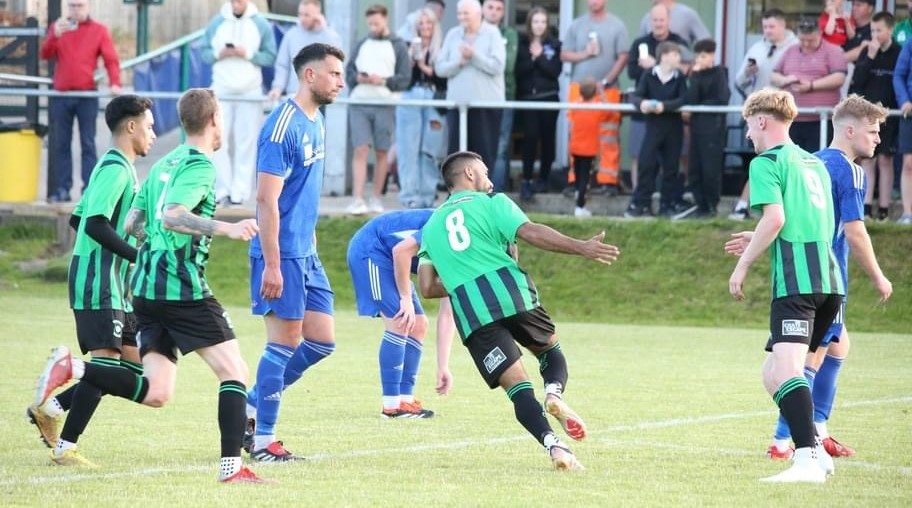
x=179, y=219
x=547, y=238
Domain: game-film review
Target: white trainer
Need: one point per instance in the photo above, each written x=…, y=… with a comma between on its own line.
x=374, y=205
x=806, y=469
x=357, y=207
x=581, y=212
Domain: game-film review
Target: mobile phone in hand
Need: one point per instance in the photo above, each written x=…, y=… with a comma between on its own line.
x=229, y=45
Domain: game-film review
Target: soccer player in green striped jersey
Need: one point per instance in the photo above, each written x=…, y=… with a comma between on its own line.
x=792, y=189
x=175, y=309
x=105, y=326
x=464, y=255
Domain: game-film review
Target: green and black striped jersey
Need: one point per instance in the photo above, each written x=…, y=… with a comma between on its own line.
x=466, y=239
x=98, y=277
x=172, y=265
x=802, y=256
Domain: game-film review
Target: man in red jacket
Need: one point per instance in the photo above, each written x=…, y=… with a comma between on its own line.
x=75, y=42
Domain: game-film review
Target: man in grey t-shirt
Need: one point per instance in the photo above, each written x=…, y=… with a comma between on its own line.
x=311, y=28
x=684, y=21
x=596, y=44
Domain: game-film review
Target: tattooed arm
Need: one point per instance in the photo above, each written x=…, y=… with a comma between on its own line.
x=135, y=224
x=178, y=218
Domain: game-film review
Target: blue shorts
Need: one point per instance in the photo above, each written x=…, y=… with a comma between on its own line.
x=835, y=330
x=305, y=288
x=375, y=289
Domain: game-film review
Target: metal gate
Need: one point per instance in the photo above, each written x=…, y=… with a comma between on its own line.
x=19, y=55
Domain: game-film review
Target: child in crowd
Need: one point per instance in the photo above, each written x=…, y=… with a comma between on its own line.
x=659, y=93
x=708, y=87
x=584, y=141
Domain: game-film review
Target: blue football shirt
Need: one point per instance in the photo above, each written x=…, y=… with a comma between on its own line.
x=377, y=238
x=291, y=146
x=849, y=184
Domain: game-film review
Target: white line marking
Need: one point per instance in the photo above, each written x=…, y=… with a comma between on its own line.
x=455, y=445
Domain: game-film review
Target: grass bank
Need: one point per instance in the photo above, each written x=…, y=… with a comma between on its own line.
x=668, y=273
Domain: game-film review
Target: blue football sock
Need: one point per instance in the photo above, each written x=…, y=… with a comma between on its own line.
x=782, y=428
x=308, y=353
x=824, y=389
x=392, y=354
x=410, y=366
x=269, y=376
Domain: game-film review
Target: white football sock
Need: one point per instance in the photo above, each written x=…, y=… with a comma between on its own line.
x=390, y=402
x=260, y=442
x=52, y=408
x=63, y=446
x=229, y=466
x=782, y=444
x=821, y=430
x=553, y=389
x=741, y=204
x=79, y=368
x=408, y=399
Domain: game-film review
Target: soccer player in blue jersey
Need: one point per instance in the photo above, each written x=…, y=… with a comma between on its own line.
x=856, y=123
x=381, y=257
x=288, y=285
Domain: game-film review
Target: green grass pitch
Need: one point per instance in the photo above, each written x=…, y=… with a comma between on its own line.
x=677, y=417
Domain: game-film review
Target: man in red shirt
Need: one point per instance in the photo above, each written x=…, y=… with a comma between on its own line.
x=75, y=42
x=813, y=71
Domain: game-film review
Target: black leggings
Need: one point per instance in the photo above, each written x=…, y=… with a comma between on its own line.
x=538, y=128
x=582, y=166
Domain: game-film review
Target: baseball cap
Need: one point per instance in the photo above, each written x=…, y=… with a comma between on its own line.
x=807, y=25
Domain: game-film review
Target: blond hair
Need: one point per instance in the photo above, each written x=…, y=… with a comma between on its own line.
x=776, y=103
x=858, y=108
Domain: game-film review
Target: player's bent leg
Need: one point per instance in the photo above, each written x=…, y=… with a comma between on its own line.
x=529, y=413
x=85, y=400
x=46, y=418
x=161, y=375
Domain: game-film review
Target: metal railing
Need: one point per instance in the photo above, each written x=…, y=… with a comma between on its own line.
x=462, y=107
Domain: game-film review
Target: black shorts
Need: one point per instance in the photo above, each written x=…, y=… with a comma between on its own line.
x=104, y=329
x=802, y=319
x=888, y=132
x=165, y=326
x=493, y=346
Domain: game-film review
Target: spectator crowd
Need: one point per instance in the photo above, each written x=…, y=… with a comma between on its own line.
x=671, y=61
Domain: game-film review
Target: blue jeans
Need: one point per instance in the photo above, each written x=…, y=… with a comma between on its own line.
x=502, y=165
x=61, y=112
x=420, y=143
